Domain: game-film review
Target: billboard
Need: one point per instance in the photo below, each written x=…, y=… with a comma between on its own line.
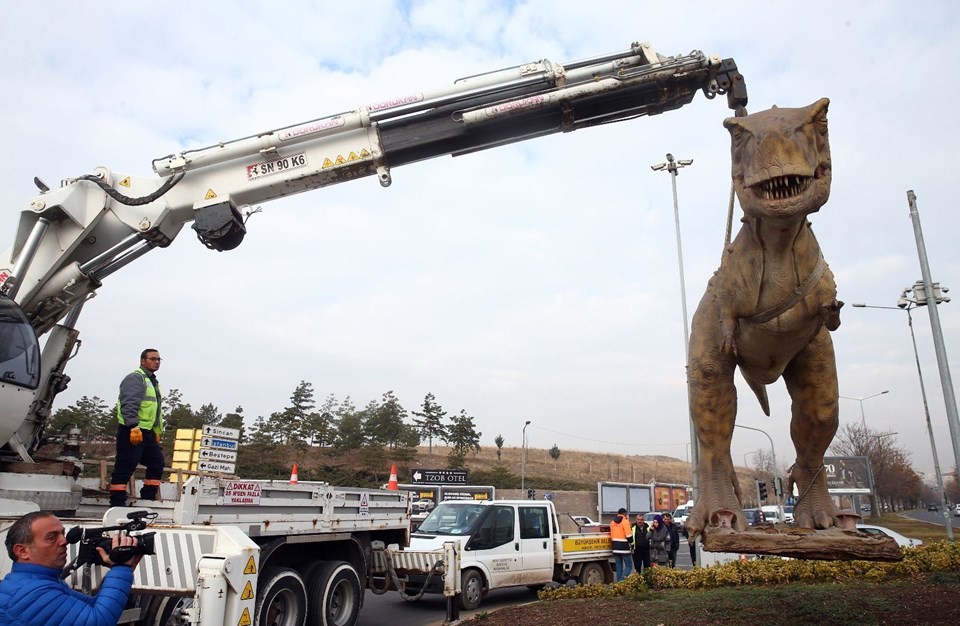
x=848, y=474
x=636, y=498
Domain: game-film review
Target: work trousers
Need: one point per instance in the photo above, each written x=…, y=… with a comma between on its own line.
x=148, y=454
x=624, y=565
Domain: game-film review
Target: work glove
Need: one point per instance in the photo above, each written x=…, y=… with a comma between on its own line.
x=136, y=436
x=158, y=436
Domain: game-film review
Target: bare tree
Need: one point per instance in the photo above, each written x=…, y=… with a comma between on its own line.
x=894, y=480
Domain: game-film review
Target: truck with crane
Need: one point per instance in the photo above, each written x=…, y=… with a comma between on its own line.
x=283, y=551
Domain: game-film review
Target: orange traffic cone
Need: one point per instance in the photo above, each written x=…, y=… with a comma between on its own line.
x=392, y=483
x=293, y=475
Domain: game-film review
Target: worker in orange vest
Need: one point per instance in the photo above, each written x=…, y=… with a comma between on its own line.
x=620, y=535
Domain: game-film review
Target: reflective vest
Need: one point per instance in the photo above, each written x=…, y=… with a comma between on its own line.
x=149, y=413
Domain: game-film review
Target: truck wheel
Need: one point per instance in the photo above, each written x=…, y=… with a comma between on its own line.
x=167, y=611
x=591, y=574
x=282, y=598
x=471, y=590
x=333, y=589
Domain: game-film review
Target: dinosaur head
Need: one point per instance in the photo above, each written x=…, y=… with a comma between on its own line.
x=781, y=160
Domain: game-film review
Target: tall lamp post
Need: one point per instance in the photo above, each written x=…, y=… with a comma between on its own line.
x=523, y=460
x=673, y=166
x=863, y=416
x=905, y=304
x=776, y=468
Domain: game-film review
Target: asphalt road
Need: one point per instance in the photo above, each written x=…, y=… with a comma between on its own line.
x=391, y=609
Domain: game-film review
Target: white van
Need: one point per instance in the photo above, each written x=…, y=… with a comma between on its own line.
x=680, y=515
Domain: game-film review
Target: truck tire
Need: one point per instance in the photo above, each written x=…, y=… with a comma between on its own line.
x=166, y=611
x=334, y=594
x=471, y=590
x=281, y=598
x=591, y=574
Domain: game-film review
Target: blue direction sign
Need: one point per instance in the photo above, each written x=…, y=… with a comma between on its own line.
x=220, y=444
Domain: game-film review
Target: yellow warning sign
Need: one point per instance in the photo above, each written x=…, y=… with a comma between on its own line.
x=245, y=618
x=352, y=156
x=247, y=592
x=587, y=544
x=125, y=182
x=251, y=567
x=210, y=195
x=364, y=153
x=340, y=160
x=327, y=163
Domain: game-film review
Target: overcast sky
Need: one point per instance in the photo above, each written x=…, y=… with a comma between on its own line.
x=533, y=282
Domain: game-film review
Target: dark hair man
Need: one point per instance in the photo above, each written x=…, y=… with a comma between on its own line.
x=674, y=539
x=32, y=594
x=138, y=432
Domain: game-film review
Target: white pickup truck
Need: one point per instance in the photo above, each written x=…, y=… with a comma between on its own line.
x=511, y=543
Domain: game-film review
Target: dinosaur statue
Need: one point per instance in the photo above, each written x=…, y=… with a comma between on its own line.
x=768, y=310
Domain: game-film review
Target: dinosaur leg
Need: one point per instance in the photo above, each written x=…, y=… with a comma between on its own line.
x=713, y=405
x=811, y=380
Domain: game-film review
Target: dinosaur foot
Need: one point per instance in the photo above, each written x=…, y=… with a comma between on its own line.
x=815, y=508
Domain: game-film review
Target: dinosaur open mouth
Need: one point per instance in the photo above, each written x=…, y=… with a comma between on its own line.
x=782, y=187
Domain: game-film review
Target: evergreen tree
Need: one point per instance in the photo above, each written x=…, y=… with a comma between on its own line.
x=294, y=418
x=430, y=424
x=555, y=454
x=350, y=427
x=208, y=415
x=234, y=420
x=321, y=425
x=499, y=442
x=91, y=415
x=463, y=436
x=176, y=414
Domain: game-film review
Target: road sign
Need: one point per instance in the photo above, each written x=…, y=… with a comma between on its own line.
x=214, y=466
x=220, y=431
x=439, y=476
x=220, y=444
x=212, y=454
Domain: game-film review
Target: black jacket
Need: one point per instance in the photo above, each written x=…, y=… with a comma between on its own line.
x=641, y=537
x=674, y=537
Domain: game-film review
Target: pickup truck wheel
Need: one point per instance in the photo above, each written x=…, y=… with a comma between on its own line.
x=471, y=590
x=282, y=598
x=591, y=574
x=333, y=589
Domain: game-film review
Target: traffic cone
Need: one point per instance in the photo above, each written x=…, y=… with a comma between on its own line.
x=392, y=483
x=293, y=475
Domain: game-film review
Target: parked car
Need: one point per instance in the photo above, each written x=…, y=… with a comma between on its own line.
x=649, y=517
x=933, y=507
x=754, y=516
x=583, y=520
x=903, y=542
x=423, y=505
x=788, y=513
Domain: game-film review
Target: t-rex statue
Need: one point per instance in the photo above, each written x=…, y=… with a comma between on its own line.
x=768, y=310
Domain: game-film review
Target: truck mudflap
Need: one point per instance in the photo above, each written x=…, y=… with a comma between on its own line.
x=396, y=566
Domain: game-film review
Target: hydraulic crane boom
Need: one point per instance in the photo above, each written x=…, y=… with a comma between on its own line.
x=70, y=239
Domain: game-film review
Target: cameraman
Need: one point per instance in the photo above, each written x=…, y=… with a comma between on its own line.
x=32, y=594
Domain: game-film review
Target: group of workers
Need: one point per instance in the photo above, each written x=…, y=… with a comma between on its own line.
x=637, y=547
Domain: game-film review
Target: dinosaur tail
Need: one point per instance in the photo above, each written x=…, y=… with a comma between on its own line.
x=760, y=390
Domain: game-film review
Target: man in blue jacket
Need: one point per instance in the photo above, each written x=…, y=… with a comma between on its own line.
x=32, y=594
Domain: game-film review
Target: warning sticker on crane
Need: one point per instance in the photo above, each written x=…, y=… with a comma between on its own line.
x=247, y=592
x=251, y=567
x=245, y=618
x=276, y=166
x=351, y=156
x=125, y=182
x=364, y=505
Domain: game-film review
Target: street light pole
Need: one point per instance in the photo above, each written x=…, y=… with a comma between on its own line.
x=905, y=304
x=930, y=297
x=523, y=460
x=776, y=468
x=863, y=415
x=673, y=166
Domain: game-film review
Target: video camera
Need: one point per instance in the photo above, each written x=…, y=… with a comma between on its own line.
x=92, y=538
